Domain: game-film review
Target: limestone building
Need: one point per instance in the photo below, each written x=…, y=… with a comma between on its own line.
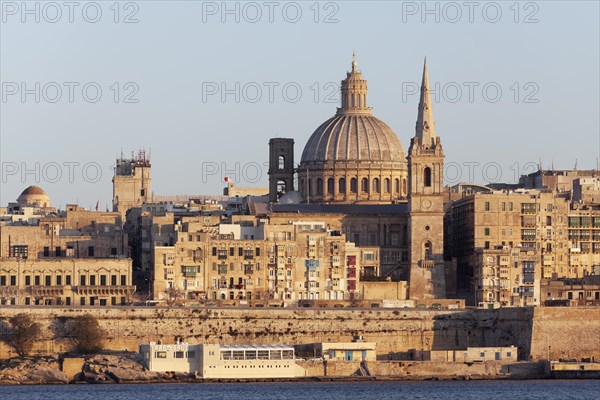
x=75, y=257
x=560, y=238
x=354, y=169
x=131, y=182
x=507, y=276
x=301, y=260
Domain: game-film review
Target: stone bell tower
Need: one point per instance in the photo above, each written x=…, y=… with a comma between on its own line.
x=281, y=167
x=131, y=182
x=426, y=204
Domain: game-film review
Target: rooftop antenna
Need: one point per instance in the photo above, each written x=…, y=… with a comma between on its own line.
x=575, y=165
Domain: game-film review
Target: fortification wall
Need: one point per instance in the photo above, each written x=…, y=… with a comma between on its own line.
x=574, y=333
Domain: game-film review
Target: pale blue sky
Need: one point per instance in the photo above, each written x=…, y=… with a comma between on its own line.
x=175, y=51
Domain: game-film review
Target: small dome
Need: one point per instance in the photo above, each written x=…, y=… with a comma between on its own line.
x=34, y=196
x=34, y=190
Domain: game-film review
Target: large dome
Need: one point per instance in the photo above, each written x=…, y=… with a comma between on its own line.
x=353, y=138
x=353, y=157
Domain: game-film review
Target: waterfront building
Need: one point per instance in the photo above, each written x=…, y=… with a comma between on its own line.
x=470, y=354
x=212, y=361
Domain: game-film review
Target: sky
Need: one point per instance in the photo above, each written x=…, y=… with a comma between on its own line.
x=202, y=86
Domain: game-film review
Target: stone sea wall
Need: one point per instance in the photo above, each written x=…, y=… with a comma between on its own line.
x=571, y=332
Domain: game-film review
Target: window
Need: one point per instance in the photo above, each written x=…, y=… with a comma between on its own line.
x=330, y=185
x=386, y=185
x=82, y=280
x=427, y=177
x=68, y=280
x=123, y=280
x=57, y=251
x=20, y=251
x=46, y=251
x=36, y=280
x=353, y=185
x=320, y=187
x=376, y=187
x=113, y=251
x=397, y=186
x=487, y=231
x=27, y=280
x=160, y=354
x=528, y=271
x=281, y=162
x=48, y=280
x=214, y=251
x=113, y=280
x=59, y=280
x=91, y=251
x=364, y=187
x=487, y=206
x=342, y=185
x=179, y=354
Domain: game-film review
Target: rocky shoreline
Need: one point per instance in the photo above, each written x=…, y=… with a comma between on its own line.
x=127, y=368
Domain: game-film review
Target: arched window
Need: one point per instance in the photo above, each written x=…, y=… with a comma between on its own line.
x=386, y=185
x=310, y=188
x=364, y=185
x=376, y=188
x=330, y=185
x=396, y=185
x=353, y=185
x=427, y=177
x=404, y=187
x=427, y=251
x=281, y=162
x=320, y=186
x=281, y=188
x=342, y=185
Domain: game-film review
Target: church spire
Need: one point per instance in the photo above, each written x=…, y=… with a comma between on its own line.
x=425, y=128
x=354, y=92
